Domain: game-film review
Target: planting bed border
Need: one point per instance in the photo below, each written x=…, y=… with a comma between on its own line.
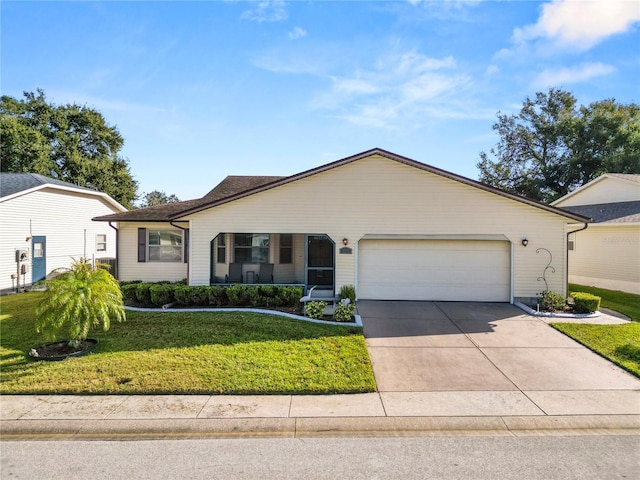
x=356, y=323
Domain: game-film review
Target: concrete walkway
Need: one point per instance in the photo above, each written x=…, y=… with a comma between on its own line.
x=441, y=367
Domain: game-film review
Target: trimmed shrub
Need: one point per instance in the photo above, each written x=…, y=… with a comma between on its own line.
x=552, y=301
x=585, y=302
x=143, y=293
x=162, y=294
x=348, y=291
x=315, y=310
x=129, y=292
x=343, y=312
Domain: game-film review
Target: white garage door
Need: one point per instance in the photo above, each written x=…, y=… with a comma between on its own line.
x=457, y=270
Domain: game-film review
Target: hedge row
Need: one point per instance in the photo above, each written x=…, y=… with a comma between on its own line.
x=258, y=296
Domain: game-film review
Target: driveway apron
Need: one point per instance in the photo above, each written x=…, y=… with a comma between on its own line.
x=490, y=350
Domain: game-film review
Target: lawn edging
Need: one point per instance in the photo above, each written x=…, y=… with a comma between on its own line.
x=536, y=313
x=356, y=323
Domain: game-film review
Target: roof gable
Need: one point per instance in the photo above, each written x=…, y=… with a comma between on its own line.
x=17, y=184
x=607, y=188
x=233, y=188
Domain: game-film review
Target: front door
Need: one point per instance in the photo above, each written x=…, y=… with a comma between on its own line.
x=39, y=258
x=320, y=262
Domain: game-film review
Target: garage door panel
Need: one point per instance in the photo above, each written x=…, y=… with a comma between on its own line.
x=434, y=270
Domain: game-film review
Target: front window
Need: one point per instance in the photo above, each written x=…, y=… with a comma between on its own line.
x=101, y=242
x=222, y=248
x=251, y=247
x=165, y=246
x=286, y=248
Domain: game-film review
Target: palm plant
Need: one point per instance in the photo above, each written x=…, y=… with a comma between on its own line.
x=82, y=297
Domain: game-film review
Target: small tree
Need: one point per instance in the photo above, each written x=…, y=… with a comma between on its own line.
x=82, y=297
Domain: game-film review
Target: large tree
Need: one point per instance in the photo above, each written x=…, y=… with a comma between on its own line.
x=69, y=142
x=551, y=146
x=157, y=197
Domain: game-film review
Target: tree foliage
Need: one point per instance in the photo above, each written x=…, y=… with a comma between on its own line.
x=552, y=146
x=157, y=197
x=69, y=142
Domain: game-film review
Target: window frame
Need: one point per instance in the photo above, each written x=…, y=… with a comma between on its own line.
x=221, y=248
x=177, y=257
x=256, y=253
x=286, y=250
x=101, y=245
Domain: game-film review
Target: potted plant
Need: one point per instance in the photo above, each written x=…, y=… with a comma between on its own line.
x=82, y=297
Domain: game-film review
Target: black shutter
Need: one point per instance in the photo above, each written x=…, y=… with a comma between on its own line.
x=186, y=246
x=142, y=244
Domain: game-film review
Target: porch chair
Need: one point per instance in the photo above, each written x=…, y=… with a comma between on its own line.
x=235, y=273
x=265, y=275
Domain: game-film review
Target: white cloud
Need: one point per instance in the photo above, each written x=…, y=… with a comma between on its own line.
x=581, y=24
x=564, y=76
x=297, y=32
x=399, y=90
x=267, y=11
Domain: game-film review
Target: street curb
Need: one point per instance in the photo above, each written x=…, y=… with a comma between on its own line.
x=319, y=427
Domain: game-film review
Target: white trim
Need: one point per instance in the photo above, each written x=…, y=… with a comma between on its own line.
x=94, y=193
x=479, y=237
x=590, y=184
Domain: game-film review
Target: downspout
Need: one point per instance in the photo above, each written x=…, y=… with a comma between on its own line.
x=117, y=250
x=189, y=251
x=567, y=247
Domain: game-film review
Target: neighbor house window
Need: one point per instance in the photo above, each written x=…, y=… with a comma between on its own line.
x=221, y=252
x=165, y=245
x=286, y=248
x=101, y=242
x=251, y=247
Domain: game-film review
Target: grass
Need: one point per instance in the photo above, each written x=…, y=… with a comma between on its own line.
x=625, y=303
x=188, y=353
x=618, y=343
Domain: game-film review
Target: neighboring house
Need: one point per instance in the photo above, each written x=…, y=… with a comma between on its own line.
x=50, y=221
x=393, y=227
x=607, y=254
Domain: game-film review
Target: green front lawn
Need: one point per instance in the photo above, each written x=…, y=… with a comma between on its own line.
x=188, y=353
x=618, y=343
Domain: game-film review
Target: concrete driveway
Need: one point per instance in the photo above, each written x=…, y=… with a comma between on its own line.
x=458, y=358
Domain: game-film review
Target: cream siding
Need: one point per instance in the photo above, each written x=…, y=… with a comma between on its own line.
x=605, y=190
x=607, y=257
x=130, y=269
x=376, y=195
x=64, y=218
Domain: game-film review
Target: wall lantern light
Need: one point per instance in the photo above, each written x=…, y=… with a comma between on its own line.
x=524, y=242
x=345, y=241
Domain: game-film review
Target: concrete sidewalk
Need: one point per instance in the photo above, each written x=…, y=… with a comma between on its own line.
x=371, y=414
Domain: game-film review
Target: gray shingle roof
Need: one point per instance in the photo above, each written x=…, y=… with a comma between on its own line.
x=230, y=186
x=620, y=212
x=11, y=183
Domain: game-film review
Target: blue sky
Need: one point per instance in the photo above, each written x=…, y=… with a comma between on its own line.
x=201, y=90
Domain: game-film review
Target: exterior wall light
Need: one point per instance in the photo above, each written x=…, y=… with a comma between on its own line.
x=524, y=242
x=345, y=241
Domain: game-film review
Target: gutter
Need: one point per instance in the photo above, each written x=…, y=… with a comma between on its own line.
x=186, y=246
x=586, y=224
x=117, y=250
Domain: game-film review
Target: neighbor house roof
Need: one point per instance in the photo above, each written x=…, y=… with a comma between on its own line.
x=621, y=177
x=233, y=188
x=12, y=183
x=17, y=184
x=620, y=212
